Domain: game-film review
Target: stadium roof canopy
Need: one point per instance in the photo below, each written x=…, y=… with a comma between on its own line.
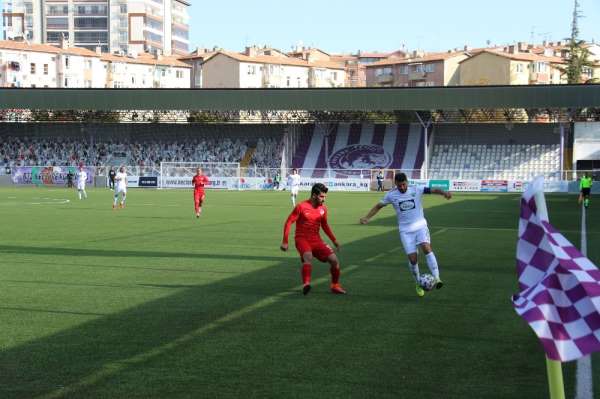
x=443, y=104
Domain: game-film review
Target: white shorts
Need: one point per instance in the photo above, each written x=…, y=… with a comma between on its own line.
x=120, y=190
x=414, y=238
x=81, y=186
x=294, y=190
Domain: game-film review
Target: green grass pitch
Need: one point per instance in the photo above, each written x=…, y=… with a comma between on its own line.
x=149, y=302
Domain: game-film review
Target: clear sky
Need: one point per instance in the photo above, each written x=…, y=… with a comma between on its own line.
x=384, y=25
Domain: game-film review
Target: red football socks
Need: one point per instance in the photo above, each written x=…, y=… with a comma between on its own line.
x=306, y=271
x=335, y=274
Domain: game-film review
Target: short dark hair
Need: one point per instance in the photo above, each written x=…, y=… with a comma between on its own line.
x=318, y=188
x=400, y=177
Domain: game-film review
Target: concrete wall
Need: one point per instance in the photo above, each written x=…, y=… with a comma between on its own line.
x=221, y=71
x=486, y=69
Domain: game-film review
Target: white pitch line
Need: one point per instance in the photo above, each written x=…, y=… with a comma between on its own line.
x=584, y=388
x=119, y=365
x=511, y=229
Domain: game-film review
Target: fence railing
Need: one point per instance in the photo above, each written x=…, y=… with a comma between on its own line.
x=433, y=174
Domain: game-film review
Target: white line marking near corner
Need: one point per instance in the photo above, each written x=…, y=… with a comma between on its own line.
x=584, y=388
x=53, y=202
x=440, y=231
x=118, y=365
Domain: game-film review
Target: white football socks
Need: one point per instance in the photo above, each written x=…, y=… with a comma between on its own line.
x=293, y=200
x=433, y=265
x=414, y=269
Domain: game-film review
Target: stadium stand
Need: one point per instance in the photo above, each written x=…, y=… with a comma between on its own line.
x=359, y=147
x=138, y=145
x=494, y=151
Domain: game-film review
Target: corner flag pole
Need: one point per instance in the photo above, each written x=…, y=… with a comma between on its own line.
x=555, y=379
x=553, y=367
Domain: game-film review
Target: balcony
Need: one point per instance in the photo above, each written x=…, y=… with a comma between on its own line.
x=385, y=78
x=538, y=77
x=416, y=75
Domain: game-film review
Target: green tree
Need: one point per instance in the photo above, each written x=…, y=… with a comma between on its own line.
x=578, y=53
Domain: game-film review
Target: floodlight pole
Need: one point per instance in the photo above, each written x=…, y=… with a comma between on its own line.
x=425, y=126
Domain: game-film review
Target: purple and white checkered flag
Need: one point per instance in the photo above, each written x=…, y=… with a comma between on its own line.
x=559, y=288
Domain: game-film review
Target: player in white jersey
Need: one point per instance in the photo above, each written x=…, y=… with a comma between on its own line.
x=81, y=180
x=121, y=187
x=411, y=224
x=294, y=185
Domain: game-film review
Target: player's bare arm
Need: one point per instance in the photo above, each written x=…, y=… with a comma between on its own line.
x=445, y=194
x=372, y=212
x=338, y=246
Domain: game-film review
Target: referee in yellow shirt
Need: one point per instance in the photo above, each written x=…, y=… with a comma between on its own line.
x=586, y=187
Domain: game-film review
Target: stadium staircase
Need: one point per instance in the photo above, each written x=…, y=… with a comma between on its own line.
x=245, y=162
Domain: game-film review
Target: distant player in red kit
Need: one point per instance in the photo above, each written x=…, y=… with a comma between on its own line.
x=310, y=216
x=199, y=181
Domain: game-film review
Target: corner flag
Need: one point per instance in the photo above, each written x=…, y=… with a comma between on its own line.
x=559, y=288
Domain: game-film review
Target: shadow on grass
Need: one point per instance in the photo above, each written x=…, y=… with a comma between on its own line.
x=80, y=252
x=255, y=335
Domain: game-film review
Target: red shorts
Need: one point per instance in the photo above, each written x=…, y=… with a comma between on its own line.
x=198, y=196
x=318, y=248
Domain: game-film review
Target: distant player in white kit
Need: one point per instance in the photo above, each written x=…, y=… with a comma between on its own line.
x=81, y=180
x=294, y=185
x=121, y=187
x=411, y=224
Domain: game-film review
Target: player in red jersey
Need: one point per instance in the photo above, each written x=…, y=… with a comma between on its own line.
x=199, y=181
x=310, y=216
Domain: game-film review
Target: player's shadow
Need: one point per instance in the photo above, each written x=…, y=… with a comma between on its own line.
x=255, y=335
x=112, y=253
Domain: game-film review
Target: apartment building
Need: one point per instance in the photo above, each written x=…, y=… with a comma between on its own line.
x=124, y=26
x=419, y=69
x=255, y=70
x=146, y=71
x=42, y=65
x=511, y=67
x=195, y=60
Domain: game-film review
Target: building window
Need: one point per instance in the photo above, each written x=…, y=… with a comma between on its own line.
x=519, y=67
x=251, y=70
x=123, y=8
x=288, y=81
x=32, y=68
x=66, y=63
x=57, y=23
x=429, y=67
x=383, y=71
x=88, y=84
x=179, y=74
x=91, y=37
x=45, y=69
x=403, y=69
x=91, y=23
x=54, y=37
x=335, y=76
x=66, y=82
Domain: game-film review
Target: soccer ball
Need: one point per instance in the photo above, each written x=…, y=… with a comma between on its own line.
x=427, y=281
